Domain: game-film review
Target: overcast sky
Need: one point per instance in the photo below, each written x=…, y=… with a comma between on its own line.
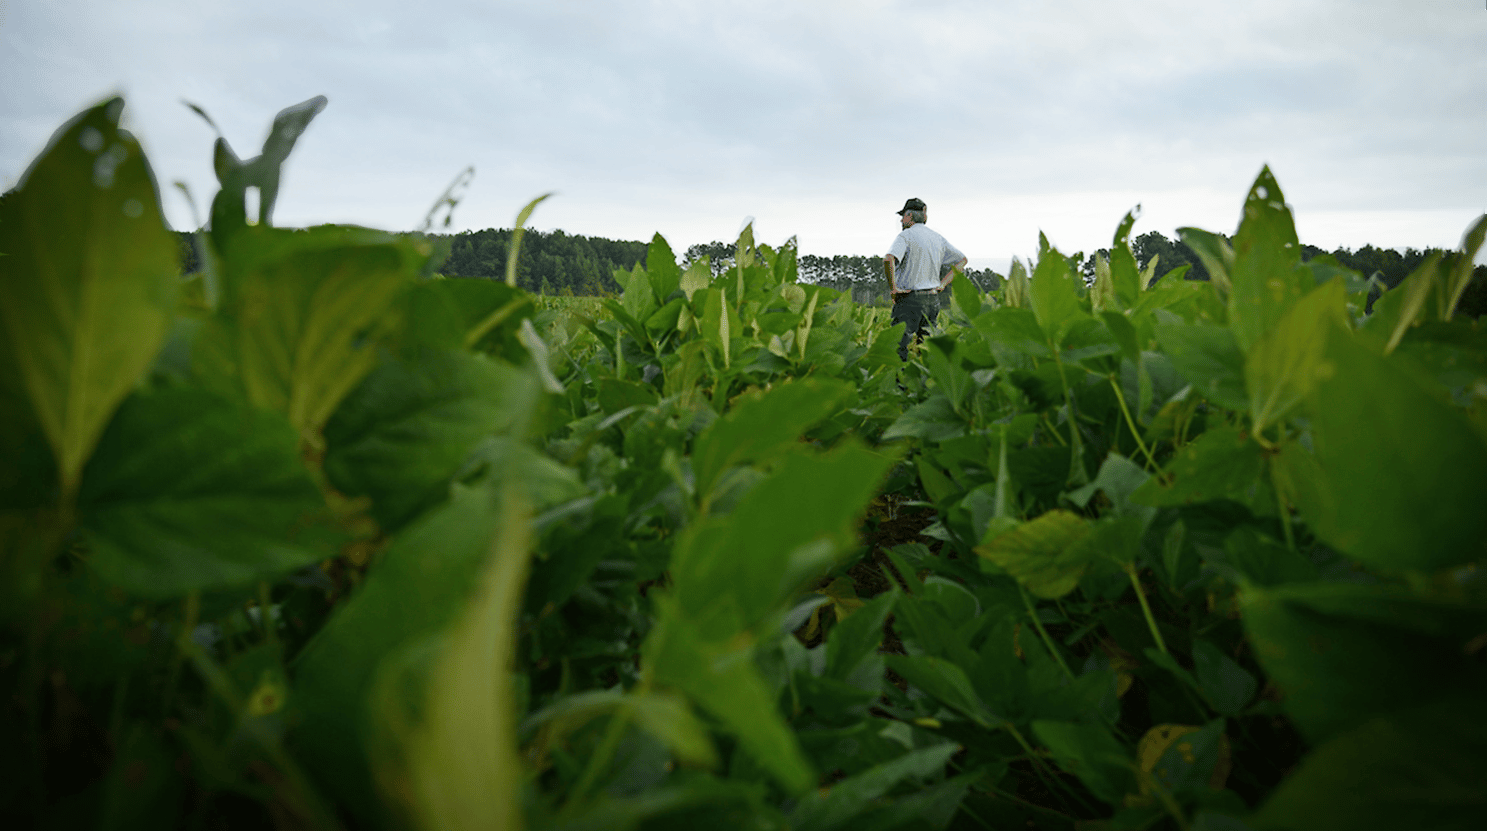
x=815, y=117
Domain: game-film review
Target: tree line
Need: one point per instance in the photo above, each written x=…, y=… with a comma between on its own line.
x=558, y=263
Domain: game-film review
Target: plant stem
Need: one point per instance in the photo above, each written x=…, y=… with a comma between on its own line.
x=601, y=758
x=1151, y=622
x=1282, y=507
x=1049, y=777
x=265, y=612
x=1043, y=633
x=1130, y=422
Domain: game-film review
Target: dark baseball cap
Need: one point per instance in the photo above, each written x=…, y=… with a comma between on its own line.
x=911, y=205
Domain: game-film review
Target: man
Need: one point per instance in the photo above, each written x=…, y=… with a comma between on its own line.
x=919, y=265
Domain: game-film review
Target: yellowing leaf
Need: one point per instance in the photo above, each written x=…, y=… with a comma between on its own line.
x=1042, y=554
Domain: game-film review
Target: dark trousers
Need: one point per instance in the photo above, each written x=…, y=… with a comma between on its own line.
x=917, y=312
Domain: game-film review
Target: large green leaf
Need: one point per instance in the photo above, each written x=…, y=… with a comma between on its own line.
x=1227, y=685
x=462, y=759
x=729, y=572
x=733, y=574
x=1054, y=297
x=1214, y=252
x=942, y=359
x=762, y=425
x=89, y=275
x=854, y=641
x=1014, y=335
x=720, y=676
x=304, y=312
x=966, y=295
x=933, y=419
x=188, y=491
x=1118, y=479
x=1398, y=472
x=1266, y=276
x=1210, y=358
x=416, y=587
x=1286, y=362
x=660, y=268
x=406, y=429
x=1420, y=767
x=947, y=683
x=1223, y=463
x=1343, y=653
x=1089, y=752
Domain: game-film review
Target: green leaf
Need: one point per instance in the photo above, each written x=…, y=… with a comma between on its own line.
x=89, y=275
x=966, y=295
x=718, y=323
x=1089, y=752
x=304, y=311
x=943, y=363
x=191, y=491
x=1124, y=333
x=1227, y=686
x=855, y=640
x=933, y=419
x=402, y=434
x=615, y=395
x=1264, y=561
x=1169, y=663
x=1343, y=653
x=462, y=761
x=851, y=797
x=1118, y=479
x=229, y=208
x=416, y=587
x=1123, y=269
x=1420, y=767
x=663, y=715
x=1223, y=463
x=729, y=572
x=1013, y=330
x=720, y=676
x=697, y=277
x=1215, y=254
x=518, y=230
x=660, y=267
x=1210, y=358
x=1372, y=423
x=1267, y=279
x=945, y=682
x=1054, y=298
x=762, y=425
x=1284, y=364
x=1042, y=553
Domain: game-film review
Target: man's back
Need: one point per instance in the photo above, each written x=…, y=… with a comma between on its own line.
x=922, y=256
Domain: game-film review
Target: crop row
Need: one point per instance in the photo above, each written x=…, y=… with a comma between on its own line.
x=312, y=540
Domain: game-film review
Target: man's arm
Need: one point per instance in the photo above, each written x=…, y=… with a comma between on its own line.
x=890, y=265
x=950, y=273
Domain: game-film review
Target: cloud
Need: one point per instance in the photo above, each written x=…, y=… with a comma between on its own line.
x=684, y=117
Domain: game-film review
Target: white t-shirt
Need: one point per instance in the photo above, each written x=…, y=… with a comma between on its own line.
x=922, y=256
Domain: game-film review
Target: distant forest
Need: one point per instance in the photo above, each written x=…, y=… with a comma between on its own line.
x=558, y=263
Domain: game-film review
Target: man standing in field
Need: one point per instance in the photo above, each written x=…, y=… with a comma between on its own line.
x=919, y=265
